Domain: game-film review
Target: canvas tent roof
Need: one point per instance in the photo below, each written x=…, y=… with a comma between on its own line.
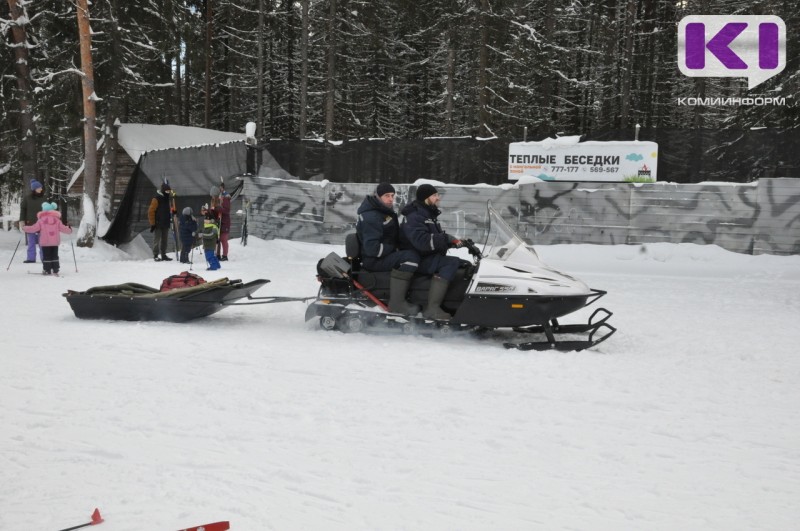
x=137, y=139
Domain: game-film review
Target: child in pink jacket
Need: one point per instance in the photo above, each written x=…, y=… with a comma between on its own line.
x=49, y=227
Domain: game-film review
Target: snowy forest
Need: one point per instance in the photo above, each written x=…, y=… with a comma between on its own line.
x=344, y=69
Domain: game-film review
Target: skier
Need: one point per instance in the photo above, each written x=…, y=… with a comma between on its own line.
x=210, y=238
x=29, y=208
x=421, y=231
x=160, y=216
x=379, y=230
x=188, y=234
x=49, y=227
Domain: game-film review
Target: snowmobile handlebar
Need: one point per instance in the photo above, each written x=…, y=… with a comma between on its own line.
x=473, y=249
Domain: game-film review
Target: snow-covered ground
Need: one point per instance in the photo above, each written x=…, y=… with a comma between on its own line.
x=687, y=418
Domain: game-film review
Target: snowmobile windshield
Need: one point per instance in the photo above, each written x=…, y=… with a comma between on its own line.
x=505, y=245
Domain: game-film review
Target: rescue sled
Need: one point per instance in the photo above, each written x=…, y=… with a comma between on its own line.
x=506, y=286
x=136, y=302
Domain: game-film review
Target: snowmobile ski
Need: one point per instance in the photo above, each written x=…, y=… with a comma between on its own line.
x=552, y=329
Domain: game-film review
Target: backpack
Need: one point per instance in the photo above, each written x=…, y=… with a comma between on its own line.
x=183, y=280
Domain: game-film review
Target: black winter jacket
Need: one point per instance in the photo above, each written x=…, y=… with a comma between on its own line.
x=377, y=227
x=31, y=205
x=421, y=230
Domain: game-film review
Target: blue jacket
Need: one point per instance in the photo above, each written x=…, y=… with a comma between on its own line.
x=421, y=230
x=188, y=229
x=377, y=228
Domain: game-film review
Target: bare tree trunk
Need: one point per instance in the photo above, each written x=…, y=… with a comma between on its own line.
x=260, y=99
x=301, y=131
x=28, y=149
x=108, y=174
x=209, y=20
x=625, y=96
x=483, y=64
x=330, y=97
x=187, y=87
x=451, y=74
x=88, y=228
x=178, y=48
x=547, y=82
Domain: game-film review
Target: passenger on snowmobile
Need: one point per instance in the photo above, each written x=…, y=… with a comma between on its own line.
x=378, y=230
x=421, y=231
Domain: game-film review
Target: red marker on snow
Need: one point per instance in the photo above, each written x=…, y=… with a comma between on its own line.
x=96, y=519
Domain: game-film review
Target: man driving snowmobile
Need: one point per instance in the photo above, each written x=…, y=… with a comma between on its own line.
x=421, y=231
x=378, y=230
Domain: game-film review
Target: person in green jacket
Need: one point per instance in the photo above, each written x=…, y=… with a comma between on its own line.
x=210, y=238
x=28, y=210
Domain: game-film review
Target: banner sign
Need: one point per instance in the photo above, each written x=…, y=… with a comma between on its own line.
x=567, y=159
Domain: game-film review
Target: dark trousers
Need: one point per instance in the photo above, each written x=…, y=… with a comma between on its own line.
x=50, y=259
x=160, y=241
x=406, y=260
x=186, y=246
x=439, y=264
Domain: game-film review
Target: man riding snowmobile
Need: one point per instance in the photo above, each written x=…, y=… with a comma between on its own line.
x=378, y=230
x=421, y=231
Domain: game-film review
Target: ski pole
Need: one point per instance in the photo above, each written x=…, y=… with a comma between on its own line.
x=74, y=260
x=15, y=251
x=96, y=519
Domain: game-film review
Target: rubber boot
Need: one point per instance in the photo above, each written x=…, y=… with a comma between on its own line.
x=399, y=282
x=435, y=297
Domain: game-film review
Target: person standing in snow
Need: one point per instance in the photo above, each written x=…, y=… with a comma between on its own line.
x=421, y=231
x=210, y=238
x=49, y=227
x=160, y=217
x=188, y=234
x=221, y=203
x=28, y=210
x=378, y=229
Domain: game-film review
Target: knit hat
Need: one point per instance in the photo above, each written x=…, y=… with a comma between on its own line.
x=425, y=191
x=49, y=206
x=165, y=187
x=187, y=211
x=384, y=188
x=35, y=185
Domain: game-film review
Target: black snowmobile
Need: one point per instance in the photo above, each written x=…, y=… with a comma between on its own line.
x=505, y=286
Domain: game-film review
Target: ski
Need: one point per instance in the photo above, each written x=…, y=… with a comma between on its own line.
x=216, y=526
x=45, y=274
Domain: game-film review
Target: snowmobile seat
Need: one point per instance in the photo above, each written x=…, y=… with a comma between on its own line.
x=352, y=247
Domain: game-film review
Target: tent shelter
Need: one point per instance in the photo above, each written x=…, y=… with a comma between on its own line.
x=191, y=159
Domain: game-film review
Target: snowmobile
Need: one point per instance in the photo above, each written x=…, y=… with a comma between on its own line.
x=505, y=286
